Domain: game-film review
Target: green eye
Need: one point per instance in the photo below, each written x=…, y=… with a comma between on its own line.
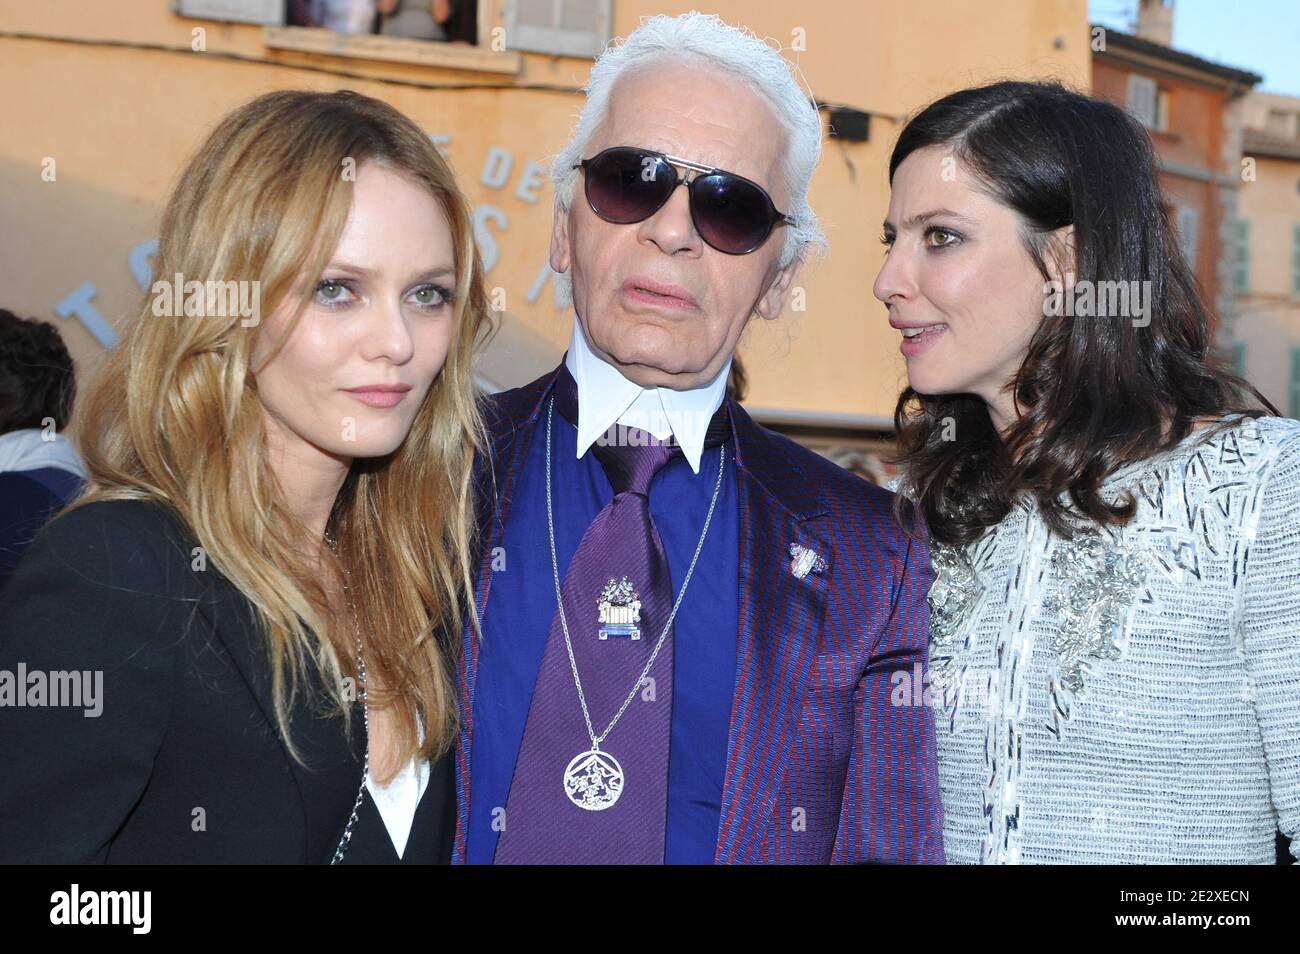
x=330, y=292
x=432, y=296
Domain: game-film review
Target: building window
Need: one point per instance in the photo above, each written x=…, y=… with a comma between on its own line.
x=1243, y=256
x=1187, y=222
x=559, y=27
x=1144, y=100
x=364, y=19
x=270, y=12
x=1294, y=409
x=1281, y=122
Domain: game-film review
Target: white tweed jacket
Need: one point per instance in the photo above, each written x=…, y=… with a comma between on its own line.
x=1132, y=695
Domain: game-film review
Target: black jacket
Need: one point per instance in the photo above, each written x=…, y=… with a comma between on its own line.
x=183, y=761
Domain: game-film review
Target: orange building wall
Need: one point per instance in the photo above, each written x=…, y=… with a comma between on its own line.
x=1194, y=138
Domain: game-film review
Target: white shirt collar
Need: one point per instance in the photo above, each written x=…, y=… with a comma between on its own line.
x=30, y=449
x=606, y=398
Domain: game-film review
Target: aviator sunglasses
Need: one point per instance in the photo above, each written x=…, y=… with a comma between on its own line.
x=626, y=185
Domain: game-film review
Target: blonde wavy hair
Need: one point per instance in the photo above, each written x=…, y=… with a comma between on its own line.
x=175, y=417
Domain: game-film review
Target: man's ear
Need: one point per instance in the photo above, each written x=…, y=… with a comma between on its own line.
x=773, y=300
x=560, y=251
x=1062, y=259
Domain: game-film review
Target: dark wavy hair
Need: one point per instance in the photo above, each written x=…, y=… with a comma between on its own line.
x=1092, y=394
x=37, y=376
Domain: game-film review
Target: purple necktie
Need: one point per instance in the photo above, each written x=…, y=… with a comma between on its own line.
x=543, y=824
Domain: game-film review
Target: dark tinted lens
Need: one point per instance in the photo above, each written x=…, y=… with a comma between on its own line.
x=624, y=185
x=731, y=215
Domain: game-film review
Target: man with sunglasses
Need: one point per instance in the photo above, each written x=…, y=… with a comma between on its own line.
x=693, y=630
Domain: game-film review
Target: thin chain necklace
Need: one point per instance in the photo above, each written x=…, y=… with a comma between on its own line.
x=594, y=760
x=344, y=841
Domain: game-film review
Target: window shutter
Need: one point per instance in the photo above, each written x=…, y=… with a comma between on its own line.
x=237, y=11
x=559, y=27
x=1294, y=409
x=1188, y=217
x=1295, y=260
x=1143, y=99
x=1243, y=256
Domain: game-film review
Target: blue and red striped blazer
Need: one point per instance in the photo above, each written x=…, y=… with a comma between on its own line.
x=830, y=756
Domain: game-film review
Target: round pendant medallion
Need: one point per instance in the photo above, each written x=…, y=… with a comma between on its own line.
x=593, y=780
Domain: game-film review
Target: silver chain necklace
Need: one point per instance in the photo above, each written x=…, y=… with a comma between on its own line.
x=594, y=779
x=344, y=841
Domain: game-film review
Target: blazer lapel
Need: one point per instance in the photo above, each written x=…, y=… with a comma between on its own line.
x=509, y=419
x=320, y=741
x=780, y=617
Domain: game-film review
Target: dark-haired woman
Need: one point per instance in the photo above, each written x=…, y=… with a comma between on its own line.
x=1115, y=524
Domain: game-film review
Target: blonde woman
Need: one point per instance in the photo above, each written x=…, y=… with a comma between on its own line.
x=231, y=649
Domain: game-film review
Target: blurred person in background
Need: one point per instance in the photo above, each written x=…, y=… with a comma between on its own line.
x=40, y=471
x=414, y=19
x=343, y=16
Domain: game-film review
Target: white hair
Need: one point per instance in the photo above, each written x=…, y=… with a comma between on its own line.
x=705, y=40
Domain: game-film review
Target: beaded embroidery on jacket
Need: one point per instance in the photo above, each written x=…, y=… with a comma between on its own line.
x=1082, y=686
